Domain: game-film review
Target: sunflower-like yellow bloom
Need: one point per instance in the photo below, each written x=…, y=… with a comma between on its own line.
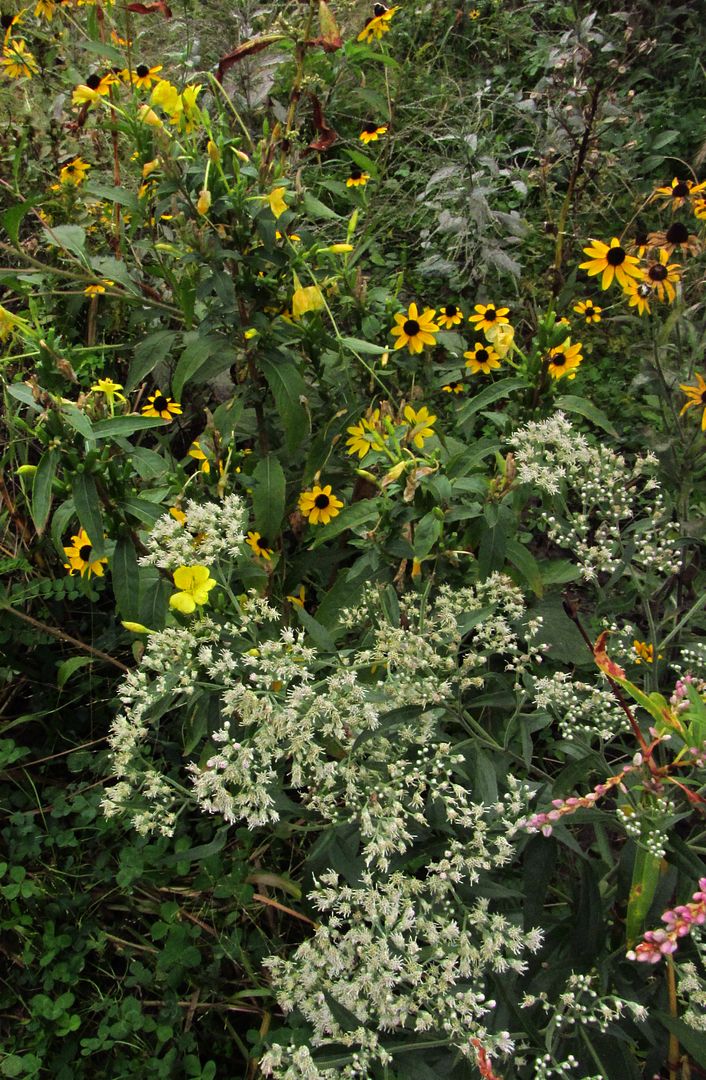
x=564, y=359
x=488, y=315
x=591, y=312
x=696, y=395
x=17, y=62
x=415, y=330
x=194, y=584
x=74, y=172
x=610, y=260
x=421, y=425
x=663, y=276
x=371, y=132
x=449, y=316
x=679, y=192
x=357, y=178
x=142, y=76
x=259, y=545
x=319, y=505
x=378, y=25
x=81, y=558
x=482, y=358
x=638, y=293
x=365, y=436
x=453, y=388
x=159, y=405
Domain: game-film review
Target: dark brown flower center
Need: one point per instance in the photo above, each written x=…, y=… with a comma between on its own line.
x=454, y=385
x=356, y=174
x=703, y=398
x=641, y=239
x=141, y=70
x=70, y=168
x=411, y=327
x=378, y=10
x=481, y=355
x=370, y=128
x=644, y=290
x=680, y=190
x=450, y=310
x=677, y=233
x=93, y=82
x=6, y=21
x=321, y=502
x=559, y=360
x=161, y=404
x=615, y=256
x=262, y=543
x=490, y=314
x=84, y=552
x=658, y=272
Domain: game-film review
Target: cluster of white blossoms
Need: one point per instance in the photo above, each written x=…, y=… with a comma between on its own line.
x=210, y=531
x=692, y=989
x=397, y=956
x=582, y=710
x=605, y=512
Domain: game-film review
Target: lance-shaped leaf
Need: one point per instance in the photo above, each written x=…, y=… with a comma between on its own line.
x=247, y=48
x=327, y=136
x=330, y=38
x=148, y=9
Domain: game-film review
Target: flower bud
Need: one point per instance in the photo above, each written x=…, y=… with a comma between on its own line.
x=204, y=203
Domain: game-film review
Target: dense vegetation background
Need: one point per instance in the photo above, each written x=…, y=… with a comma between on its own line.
x=352, y=497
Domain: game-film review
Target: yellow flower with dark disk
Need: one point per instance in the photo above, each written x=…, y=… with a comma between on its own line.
x=482, y=358
x=365, y=436
x=590, y=312
x=81, y=558
x=159, y=405
x=421, y=425
x=300, y=598
x=699, y=208
x=610, y=260
x=676, y=236
x=449, y=316
x=638, y=294
x=696, y=395
x=371, y=132
x=74, y=172
x=564, y=359
x=319, y=505
x=379, y=24
x=679, y=192
x=357, y=178
x=663, y=276
x=194, y=584
x=415, y=330
x=142, y=76
x=453, y=388
x=45, y=10
x=488, y=315
x=17, y=62
x=259, y=545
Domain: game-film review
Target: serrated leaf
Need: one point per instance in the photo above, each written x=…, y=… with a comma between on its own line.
x=88, y=510
x=41, y=489
x=268, y=496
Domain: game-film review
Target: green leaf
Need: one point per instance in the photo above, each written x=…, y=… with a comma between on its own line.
x=351, y=517
x=125, y=576
x=125, y=425
x=197, y=352
x=318, y=634
x=143, y=510
x=66, y=670
x=70, y=237
x=426, y=532
x=365, y=347
x=12, y=218
x=486, y=397
x=154, y=598
x=78, y=420
x=524, y=561
x=112, y=194
x=692, y=1041
x=588, y=411
x=316, y=209
x=645, y=878
x=491, y=553
x=151, y=351
x=268, y=496
x=88, y=509
x=41, y=489
x=288, y=388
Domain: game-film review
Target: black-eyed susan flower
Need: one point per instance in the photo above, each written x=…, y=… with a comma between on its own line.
x=564, y=359
x=99, y=289
x=194, y=584
x=74, y=172
x=17, y=62
x=415, y=330
x=482, y=358
x=699, y=208
x=379, y=24
x=94, y=88
x=81, y=558
x=319, y=505
x=449, y=316
x=453, y=388
x=679, y=192
x=109, y=389
x=159, y=405
x=474, y=14
x=589, y=311
x=197, y=454
x=663, y=276
x=45, y=10
x=142, y=76
x=259, y=545
x=676, y=236
x=300, y=599
x=696, y=395
x=638, y=294
x=644, y=652
x=639, y=244
x=357, y=177
x=365, y=435
x=8, y=21
x=610, y=260
x=488, y=315
x=371, y=132
x=421, y=425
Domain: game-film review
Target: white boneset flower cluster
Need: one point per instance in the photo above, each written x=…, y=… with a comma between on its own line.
x=211, y=530
x=583, y=710
x=397, y=956
x=691, y=989
x=602, y=510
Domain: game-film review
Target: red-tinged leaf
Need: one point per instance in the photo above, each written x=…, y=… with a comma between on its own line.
x=608, y=666
x=248, y=48
x=327, y=136
x=147, y=9
x=330, y=34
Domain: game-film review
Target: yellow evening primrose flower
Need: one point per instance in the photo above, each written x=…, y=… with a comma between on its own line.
x=502, y=338
x=197, y=453
x=136, y=627
x=307, y=298
x=178, y=514
x=319, y=505
x=276, y=201
x=589, y=311
x=194, y=584
x=259, y=545
x=7, y=323
x=610, y=260
x=81, y=558
x=17, y=62
x=488, y=315
x=165, y=96
x=159, y=405
x=97, y=290
x=696, y=395
x=415, y=330
x=110, y=389
x=340, y=249
x=74, y=172
x=421, y=424
x=289, y=236
x=482, y=359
